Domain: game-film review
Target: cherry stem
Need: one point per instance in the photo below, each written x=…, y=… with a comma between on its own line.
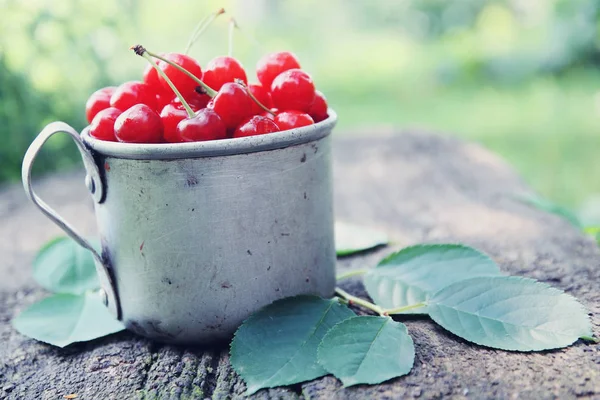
x=232, y=26
x=209, y=91
x=248, y=36
x=201, y=27
x=142, y=52
x=261, y=105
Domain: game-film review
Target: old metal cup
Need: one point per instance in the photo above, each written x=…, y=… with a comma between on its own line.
x=197, y=236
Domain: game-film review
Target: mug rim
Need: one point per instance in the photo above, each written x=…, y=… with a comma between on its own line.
x=212, y=148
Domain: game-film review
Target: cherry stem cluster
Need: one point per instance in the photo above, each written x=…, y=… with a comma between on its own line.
x=209, y=91
x=201, y=27
x=261, y=105
x=142, y=52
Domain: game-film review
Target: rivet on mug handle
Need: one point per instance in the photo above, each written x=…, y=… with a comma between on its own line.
x=96, y=188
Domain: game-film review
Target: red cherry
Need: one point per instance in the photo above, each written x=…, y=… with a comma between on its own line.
x=162, y=100
x=206, y=125
x=98, y=101
x=293, y=90
x=103, y=124
x=195, y=100
x=182, y=82
x=150, y=76
x=171, y=115
x=292, y=119
x=232, y=103
x=318, y=110
x=139, y=124
x=132, y=93
x=256, y=125
x=273, y=64
x=221, y=70
x=262, y=95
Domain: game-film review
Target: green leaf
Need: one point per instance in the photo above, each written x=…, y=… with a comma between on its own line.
x=63, y=319
x=350, y=238
x=414, y=273
x=63, y=266
x=510, y=313
x=552, y=208
x=278, y=344
x=367, y=350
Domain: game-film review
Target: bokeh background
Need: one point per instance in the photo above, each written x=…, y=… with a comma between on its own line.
x=521, y=77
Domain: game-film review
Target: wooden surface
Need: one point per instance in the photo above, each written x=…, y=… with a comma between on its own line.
x=419, y=188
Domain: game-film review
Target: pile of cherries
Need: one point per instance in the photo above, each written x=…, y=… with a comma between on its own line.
x=169, y=106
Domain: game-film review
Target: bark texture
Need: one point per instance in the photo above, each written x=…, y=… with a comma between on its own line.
x=416, y=186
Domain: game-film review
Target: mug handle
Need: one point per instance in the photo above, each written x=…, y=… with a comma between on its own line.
x=97, y=190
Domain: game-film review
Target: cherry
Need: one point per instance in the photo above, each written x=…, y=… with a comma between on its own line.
x=139, y=124
x=256, y=125
x=274, y=64
x=132, y=93
x=206, y=125
x=171, y=115
x=232, y=103
x=150, y=76
x=293, y=90
x=262, y=95
x=195, y=100
x=318, y=109
x=292, y=119
x=142, y=52
x=182, y=82
x=103, y=124
x=221, y=70
x=175, y=112
x=162, y=100
x=98, y=101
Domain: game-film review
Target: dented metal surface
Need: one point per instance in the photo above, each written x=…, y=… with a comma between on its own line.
x=197, y=240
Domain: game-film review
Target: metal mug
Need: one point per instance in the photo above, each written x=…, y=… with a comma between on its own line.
x=197, y=236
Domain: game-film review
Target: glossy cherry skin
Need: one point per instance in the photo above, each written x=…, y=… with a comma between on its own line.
x=256, y=125
x=103, y=124
x=293, y=90
x=139, y=124
x=318, y=109
x=182, y=82
x=195, y=100
x=131, y=93
x=163, y=100
x=233, y=104
x=206, y=125
x=98, y=101
x=171, y=115
x=292, y=119
x=273, y=64
x=262, y=95
x=150, y=76
x=221, y=70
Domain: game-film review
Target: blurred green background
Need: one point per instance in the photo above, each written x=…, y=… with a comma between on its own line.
x=519, y=76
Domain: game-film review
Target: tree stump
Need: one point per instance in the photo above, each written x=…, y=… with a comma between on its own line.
x=416, y=186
